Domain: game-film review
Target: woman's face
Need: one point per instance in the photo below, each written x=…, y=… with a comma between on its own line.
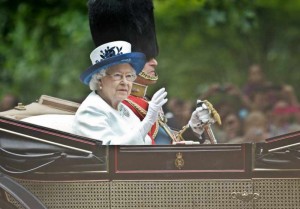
x=113, y=89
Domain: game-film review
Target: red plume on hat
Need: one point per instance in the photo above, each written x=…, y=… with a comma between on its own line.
x=127, y=20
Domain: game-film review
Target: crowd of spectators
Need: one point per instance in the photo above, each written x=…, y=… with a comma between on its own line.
x=254, y=112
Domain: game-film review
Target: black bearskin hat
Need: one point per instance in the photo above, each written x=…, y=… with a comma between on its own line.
x=127, y=20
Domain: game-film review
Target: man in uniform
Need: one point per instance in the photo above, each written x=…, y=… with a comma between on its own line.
x=133, y=21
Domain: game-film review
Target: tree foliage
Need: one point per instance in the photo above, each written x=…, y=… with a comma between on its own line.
x=45, y=45
x=218, y=40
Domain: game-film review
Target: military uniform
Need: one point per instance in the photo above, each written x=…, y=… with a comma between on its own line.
x=160, y=132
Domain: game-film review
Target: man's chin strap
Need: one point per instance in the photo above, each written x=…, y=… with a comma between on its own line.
x=140, y=90
x=148, y=77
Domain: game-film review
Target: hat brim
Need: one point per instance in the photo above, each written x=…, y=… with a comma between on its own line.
x=136, y=59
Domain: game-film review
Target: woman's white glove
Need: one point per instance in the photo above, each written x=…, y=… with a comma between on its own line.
x=200, y=117
x=155, y=105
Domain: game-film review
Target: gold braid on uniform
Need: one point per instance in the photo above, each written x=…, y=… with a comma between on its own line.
x=141, y=110
x=144, y=112
x=156, y=131
x=148, y=77
x=180, y=133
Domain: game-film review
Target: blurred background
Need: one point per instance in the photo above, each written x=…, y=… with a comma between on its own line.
x=208, y=50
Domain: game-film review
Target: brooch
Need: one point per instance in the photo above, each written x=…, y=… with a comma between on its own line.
x=123, y=111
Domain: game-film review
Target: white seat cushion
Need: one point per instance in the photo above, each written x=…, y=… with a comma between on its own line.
x=54, y=121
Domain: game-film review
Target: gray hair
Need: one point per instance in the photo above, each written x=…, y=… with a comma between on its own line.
x=95, y=79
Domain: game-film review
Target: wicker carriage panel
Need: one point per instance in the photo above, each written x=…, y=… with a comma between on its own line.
x=64, y=195
x=178, y=194
x=277, y=193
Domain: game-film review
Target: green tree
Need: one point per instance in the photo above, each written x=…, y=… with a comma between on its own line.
x=45, y=45
x=216, y=41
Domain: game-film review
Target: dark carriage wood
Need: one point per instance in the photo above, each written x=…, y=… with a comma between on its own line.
x=48, y=134
x=220, y=161
x=278, y=157
x=200, y=161
x=25, y=146
x=192, y=174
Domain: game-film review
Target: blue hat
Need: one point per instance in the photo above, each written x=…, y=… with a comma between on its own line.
x=113, y=53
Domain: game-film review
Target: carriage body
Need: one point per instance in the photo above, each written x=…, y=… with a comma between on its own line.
x=61, y=170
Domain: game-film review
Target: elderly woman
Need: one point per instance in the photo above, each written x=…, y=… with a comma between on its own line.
x=102, y=116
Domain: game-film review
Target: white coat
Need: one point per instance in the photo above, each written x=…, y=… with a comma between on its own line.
x=98, y=120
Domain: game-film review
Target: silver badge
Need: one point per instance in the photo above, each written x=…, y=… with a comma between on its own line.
x=123, y=111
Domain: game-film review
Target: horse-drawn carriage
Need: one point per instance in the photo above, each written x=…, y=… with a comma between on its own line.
x=44, y=165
